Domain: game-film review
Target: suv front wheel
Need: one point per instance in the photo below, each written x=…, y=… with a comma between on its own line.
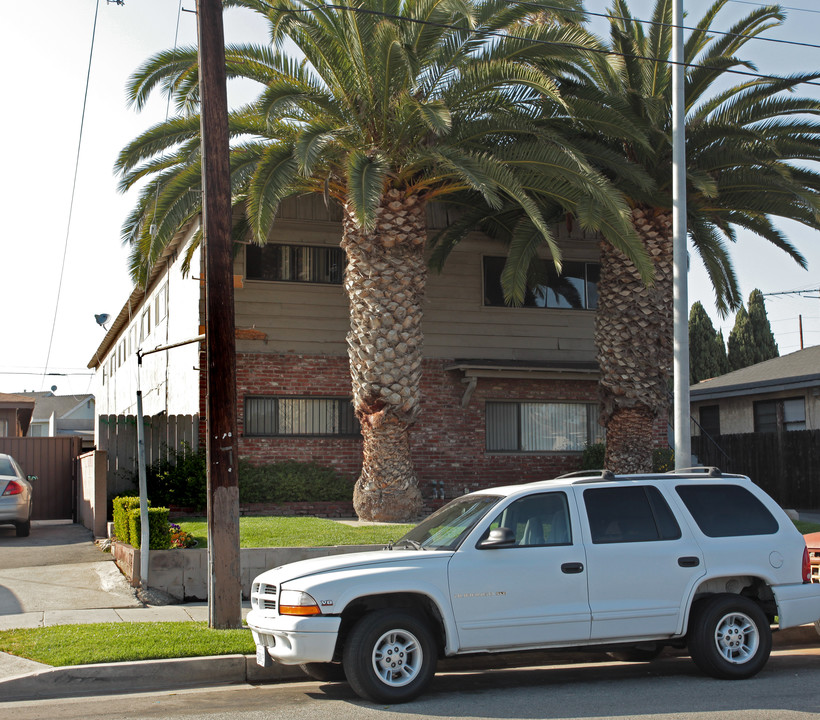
x=729, y=637
x=390, y=656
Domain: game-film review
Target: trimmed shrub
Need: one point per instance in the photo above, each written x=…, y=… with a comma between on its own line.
x=292, y=482
x=663, y=459
x=159, y=530
x=122, y=509
x=593, y=457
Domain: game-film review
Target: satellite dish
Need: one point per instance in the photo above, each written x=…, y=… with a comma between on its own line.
x=102, y=319
x=53, y=388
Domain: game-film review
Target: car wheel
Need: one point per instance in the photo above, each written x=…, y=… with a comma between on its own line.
x=23, y=528
x=390, y=656
x=729, y=637
x=324, y=672
x=646, y=652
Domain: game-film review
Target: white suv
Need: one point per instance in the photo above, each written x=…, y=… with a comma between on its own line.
x=626, y=563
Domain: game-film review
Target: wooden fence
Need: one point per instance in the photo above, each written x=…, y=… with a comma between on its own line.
x=117, y=435
x=786, y=464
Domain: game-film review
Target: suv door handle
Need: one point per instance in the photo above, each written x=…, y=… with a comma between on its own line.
x=690, y=561
x=572, y=568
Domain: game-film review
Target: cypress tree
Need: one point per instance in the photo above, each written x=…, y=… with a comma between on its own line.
x=761, y=329
x=751, y=340
x=707, y=353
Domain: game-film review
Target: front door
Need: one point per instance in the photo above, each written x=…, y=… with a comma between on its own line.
x=532, y=593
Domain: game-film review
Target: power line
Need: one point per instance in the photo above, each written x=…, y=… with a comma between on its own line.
x=73, y=191
x=575, y=46
x=785, y=7
x=655, y=23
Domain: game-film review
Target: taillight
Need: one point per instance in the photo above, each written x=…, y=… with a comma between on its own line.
x=13, y=488
x=806, y=566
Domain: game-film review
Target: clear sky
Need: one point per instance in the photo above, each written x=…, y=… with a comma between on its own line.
x=44, y=51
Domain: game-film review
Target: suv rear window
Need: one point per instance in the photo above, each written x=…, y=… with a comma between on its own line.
x=727, y=510
x=629, y=514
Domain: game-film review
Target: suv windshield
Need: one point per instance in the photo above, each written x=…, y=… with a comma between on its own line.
x=448, y=526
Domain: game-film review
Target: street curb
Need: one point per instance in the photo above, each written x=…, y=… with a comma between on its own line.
x=143, y=676
x=181, y=673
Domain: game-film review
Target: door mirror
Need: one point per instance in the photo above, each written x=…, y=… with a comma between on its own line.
x=499, y=537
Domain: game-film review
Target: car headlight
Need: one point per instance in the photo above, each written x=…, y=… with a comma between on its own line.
x=296, y=602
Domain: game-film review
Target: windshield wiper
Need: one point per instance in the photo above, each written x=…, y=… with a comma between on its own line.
x=412, y=543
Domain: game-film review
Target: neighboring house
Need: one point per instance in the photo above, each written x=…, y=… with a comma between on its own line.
x=56, y=415
x=15, y=414
x=509, y=394
x=781, y=394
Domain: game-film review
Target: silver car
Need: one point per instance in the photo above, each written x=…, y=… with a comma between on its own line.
x=15, y=495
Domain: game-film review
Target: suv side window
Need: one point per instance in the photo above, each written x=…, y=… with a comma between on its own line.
x=537, y=520
x=727, y=510
x=629, y=514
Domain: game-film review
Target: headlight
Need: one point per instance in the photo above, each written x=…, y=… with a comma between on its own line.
x=295, y=602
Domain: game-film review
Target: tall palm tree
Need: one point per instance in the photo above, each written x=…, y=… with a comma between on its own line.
x=394, y=104
x=749, y=147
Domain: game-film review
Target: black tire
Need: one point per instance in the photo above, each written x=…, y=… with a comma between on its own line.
x=390, y=656
x=729, y=637
x=645, y=652
x=23, y=528
x=325, y=672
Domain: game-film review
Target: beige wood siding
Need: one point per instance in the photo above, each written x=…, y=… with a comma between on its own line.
x=311, y=319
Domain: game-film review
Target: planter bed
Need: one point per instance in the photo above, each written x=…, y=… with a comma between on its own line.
x=183, y=574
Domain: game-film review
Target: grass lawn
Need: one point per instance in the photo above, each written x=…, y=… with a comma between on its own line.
x=267, y=531
x=60, y=645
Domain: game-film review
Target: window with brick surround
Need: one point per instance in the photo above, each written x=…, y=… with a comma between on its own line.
x=294, y=263
x=275, y=416
x=576, y=288
x=541, y=426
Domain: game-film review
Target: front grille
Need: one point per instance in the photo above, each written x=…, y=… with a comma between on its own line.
x=263, y=596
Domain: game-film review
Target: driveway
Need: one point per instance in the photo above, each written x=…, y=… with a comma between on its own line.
x=58, y=567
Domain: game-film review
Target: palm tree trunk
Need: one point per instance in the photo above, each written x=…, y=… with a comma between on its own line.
x=633, y=338
x=385, y=280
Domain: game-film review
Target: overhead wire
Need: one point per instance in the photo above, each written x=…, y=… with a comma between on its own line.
x=73, y=194
x=535, y=41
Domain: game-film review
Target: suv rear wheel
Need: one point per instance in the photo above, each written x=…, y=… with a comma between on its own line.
x=729, y=637
x=390, y=656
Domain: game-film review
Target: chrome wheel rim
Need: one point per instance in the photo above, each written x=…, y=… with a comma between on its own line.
x=737, y=638
x=397, y=658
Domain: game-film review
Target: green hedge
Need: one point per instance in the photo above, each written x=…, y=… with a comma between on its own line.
x=663, y=459
x=159, y=530
x=292, y=482
x=122, y=508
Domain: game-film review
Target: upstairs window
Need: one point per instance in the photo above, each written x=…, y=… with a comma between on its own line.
x=541, y=427
x=274, y=416
x=576, y=288
x=294, y=263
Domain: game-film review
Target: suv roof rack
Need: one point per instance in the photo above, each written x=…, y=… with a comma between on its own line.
x=709, y=471
x=591, y=474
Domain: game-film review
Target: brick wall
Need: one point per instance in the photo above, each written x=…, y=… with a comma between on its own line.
x=447, y=442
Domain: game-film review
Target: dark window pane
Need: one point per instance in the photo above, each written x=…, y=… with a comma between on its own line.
x=765, y=416
x=727, y=510
x=668, y=527
x=575, y=288
x=537, y=520
x=621, y=514
x=294, y=263
x=502, y=426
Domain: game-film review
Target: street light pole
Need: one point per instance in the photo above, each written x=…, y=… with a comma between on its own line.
x=224, y=583
x=680, y=260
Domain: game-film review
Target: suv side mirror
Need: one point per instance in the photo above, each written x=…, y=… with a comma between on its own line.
x=499, y=537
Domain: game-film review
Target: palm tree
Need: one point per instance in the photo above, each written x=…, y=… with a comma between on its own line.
x=394, y=104
x=748, y=144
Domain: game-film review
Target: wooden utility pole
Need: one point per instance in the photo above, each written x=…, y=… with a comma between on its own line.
x=224, y=583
